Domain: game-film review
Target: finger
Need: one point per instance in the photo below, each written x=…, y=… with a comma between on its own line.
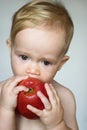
x=51, y=94
x=18, y=89
x=7, y=82
x=44, y=100
x=34, y=110
x=15, y=80
x=55, y=93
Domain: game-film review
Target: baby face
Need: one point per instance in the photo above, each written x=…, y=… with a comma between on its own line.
x=37, y=52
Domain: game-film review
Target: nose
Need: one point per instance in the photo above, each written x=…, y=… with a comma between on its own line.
x=33, y=70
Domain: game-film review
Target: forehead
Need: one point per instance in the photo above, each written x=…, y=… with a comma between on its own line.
x=41, y=39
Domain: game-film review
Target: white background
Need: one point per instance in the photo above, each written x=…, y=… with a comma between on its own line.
x=74, y=73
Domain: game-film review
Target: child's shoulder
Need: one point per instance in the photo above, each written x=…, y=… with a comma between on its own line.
x=1, y=84
x=62, y=89
x=66, y=96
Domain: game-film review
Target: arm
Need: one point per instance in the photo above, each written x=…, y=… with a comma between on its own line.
x=58, y=114
x=69, y=105
x=8, y=102
x=7, y=119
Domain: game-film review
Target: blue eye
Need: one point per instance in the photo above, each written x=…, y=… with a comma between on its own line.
x=24, y=57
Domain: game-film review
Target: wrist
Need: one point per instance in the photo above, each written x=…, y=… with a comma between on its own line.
x=61, y=126
x=6, y=109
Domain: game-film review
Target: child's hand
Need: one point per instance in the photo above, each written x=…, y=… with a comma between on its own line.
x=52, y=114
x=9, y=92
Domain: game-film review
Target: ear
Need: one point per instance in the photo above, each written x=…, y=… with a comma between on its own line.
x=8, y=42
x=63, y=61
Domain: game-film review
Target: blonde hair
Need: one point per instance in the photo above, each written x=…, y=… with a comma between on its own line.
x=49, y=13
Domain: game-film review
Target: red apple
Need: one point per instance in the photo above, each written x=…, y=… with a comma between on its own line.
x=30, y=97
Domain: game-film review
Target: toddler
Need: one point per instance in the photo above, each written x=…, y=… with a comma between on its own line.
x=40, y=36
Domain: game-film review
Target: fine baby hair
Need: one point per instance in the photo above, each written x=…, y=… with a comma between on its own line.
x=48, y=13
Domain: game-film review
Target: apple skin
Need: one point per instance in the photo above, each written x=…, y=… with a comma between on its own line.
x=30, y=97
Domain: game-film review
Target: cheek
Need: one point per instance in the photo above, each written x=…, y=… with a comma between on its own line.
x=17, y=69
x=48, y=75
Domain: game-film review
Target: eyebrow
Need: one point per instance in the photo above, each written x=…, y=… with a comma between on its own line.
x=21, y=51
